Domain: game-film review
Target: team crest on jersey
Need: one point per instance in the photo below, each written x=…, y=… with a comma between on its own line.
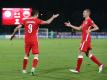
x=85, y=22
x=92, y=21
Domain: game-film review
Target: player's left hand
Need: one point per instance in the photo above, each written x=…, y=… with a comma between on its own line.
x=88, y=31
x=55, y=15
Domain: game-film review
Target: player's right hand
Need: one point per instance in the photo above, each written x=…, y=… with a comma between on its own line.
x=12, y=37
x=67, y=24
x=55, y=15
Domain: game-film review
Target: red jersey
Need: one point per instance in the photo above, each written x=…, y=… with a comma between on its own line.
x=86, y=25
x=31, y=26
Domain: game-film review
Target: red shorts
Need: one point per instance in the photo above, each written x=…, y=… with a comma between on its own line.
x=31, y=45
x=85, y=46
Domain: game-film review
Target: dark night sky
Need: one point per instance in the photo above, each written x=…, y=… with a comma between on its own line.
x=68, y=10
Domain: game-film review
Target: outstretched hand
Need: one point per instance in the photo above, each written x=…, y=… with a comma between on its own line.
x=68, y=24
x=55, y=15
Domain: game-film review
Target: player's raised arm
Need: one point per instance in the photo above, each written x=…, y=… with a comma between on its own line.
x=72, y=26
x=50, y=19
x=15, y=30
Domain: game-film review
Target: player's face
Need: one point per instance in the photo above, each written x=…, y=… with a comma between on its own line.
x=85, y=13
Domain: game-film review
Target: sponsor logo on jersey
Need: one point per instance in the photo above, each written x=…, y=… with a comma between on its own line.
x=31, y=22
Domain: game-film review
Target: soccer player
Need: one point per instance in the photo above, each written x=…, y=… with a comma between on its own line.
x=31, y=26
x=87, y=27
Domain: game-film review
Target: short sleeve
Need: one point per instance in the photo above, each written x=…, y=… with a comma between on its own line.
x=90, y=22
x=81, y=25
x=40, y=21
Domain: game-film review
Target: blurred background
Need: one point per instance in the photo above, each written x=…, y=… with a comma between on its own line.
x=68, y=9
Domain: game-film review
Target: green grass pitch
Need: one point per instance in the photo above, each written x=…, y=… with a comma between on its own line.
x=56, y=57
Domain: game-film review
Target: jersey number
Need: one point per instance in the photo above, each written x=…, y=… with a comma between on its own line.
x=30, y=28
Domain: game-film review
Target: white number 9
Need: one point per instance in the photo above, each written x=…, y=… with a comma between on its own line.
x=30, y=28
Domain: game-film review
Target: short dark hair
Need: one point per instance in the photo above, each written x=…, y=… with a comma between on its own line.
x=35, y=12
x=88, y=10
